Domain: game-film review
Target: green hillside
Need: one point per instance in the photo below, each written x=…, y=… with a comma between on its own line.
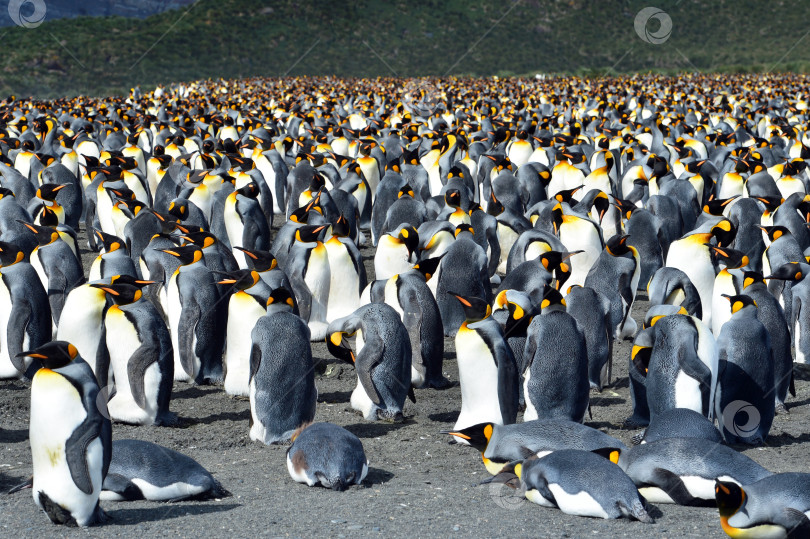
x=240, y=38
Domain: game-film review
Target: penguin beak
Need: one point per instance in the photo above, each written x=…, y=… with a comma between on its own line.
x=453, y=433
x=339, y=347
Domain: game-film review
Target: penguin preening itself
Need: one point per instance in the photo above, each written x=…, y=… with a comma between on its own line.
x=327, y=455
x=141, y=470
x=70, y=436
x=774, y=506
x=382, y=361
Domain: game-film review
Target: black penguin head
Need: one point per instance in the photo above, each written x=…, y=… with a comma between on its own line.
x=310, y=233
x=770, y=202
x=406, y=191
x=301, y=215
x=410, y=238
x=478, y=436
x=519, y=317
x=10, y=254
x=740, y=302
x=463, y=228
x=751, y=278
x=625, y=207
x=717, y=206
x=249, y=190
x=775, y=232
x=341, y=227
x=129, y=279
x=111, y=243
x=475, y=309
x=724, y=232
x=428, y=266
x=552, y=300
x=731, y=258
x=187, y=254
x=566, y=195
x=641, y=352
x=281, y=296
x=53, y=355
x=48, y=191
x=555, y=263
x=260, y=261
x=121, y=293
x=452, y=197
x=494, y=208
x=200, y=238
x=178, y=209
x=792, y=271
x=240, y=279
x=617, y=245
x=4, y=192
x=730, y=498
x=44, y=234
x=339, y=346
x=601, y=202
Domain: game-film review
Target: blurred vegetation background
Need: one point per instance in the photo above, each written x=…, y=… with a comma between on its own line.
x=365, y=38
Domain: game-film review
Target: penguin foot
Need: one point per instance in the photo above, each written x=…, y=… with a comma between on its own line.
x=638, y=437
x=441, y=383
x=168, y=419
x=390, y=417
x=633, y=422
x=781, y=409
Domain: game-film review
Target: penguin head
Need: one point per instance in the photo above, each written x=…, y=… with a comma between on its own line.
x=339, y=346
x=730, y=498
x=4, y=192
x=740, y=302
x=641, y=352
x=751, y=278
x=792, y=271
x=601, y=202
x=281, y=297
x=519, y=310
x=310, y=233
x=717, y=206
x=657, y=312
x=407, y=191
x=199, y=238
x=770, y=202
x=341, y=227
x=555, y=262
x=179, y=209
x=121, y=293
x=10, y=254
x=45, y=235
x=48, y=191
x=495, y=208
x=552, y=300
x=260, y=261
x=462, y=228
x=187, y=254
x=625, y=207
x=731, y=258
x=53, y=355
x=111, y=243
x=475, y=309
x=428, y=266
x=724, y=232
x=478, y=436
x=775, y=232
x=567, y=195
x=452, y=197
x=240, y=279
x=409, y=237
x=301, y=215
x=129, y=279
x=249, y=190
x=617, y=245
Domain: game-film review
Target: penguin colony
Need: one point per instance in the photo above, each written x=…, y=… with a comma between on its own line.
x=519, y=218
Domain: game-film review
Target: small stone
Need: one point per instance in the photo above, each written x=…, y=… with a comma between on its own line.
x=338, y=521
x=355, y=527
x=456, y=528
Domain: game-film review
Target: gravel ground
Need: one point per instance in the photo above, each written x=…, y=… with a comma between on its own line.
x=418, y=483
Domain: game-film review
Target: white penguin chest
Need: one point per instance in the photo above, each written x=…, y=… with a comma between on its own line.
x=243, y=312
x=478, y=377
x=344, y=288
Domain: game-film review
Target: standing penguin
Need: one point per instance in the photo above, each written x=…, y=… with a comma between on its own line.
x=195, y=318
x=246, y=306
x=141, y=357
x=487, y=369
x=770, y=313
x=591, y=310
x=617, y=270
x=746, y=382
x=307, y=266
x=555, y=364
x=382, y=362
x=409, y=295
x=70, y=435
x=327, y=455
x=58, y=268
x=799, y=321
x=346, y=270
x=24, y=310
x=282, y=376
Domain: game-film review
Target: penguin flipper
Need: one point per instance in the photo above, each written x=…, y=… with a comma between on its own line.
x=369, y=356
x=796, y=522
x=122, y=486
x=675, y=488
x=76, y=453
x=255, y=360
x=140, y=360
x=20, y=310
x=303, y=297
x=186, y=330
x=541, y=486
